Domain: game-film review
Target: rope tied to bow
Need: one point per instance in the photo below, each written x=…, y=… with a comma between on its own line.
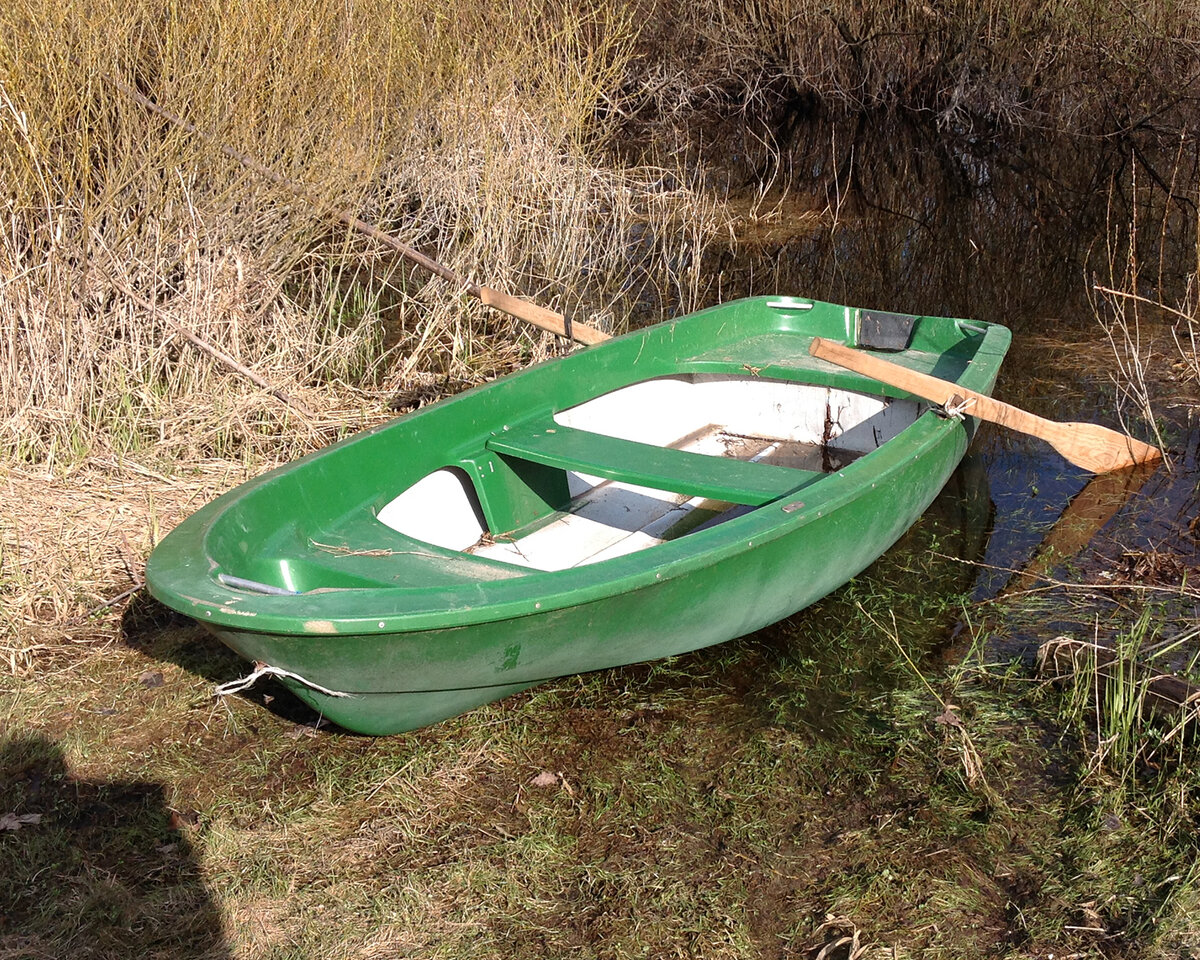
x=264, y=670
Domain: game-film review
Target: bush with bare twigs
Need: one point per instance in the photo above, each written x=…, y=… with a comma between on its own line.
x=472, y=132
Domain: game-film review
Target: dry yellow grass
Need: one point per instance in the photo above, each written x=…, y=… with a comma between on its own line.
x=480, y=132
x=72, y=540
x=473, y=131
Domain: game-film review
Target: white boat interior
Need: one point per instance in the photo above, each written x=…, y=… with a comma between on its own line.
x=811, y=429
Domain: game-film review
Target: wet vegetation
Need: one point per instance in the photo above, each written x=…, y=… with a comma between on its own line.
x=579, y=153
x=893, y=772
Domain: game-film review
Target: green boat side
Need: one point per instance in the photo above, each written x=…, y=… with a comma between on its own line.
x=414, y=633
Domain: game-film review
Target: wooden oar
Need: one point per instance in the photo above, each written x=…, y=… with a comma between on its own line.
x=1086, y=445
x=513, y=306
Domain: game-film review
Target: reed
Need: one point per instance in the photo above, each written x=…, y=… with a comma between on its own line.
x=1147, y=310
x=471, y=131
x=972, y=65
x=489, y=134
x=1133, y=719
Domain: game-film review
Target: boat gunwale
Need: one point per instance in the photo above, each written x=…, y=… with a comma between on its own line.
x=540, y=592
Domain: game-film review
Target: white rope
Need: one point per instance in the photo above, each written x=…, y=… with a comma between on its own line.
x=262, y=670
x=957, y=410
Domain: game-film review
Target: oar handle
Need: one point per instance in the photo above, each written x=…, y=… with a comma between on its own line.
x=540, y=316
x=1087, y=445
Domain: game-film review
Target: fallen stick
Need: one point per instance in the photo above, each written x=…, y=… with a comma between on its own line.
x=218, y=354
x=1166, y=695
x=104, y=605
x=215, y=352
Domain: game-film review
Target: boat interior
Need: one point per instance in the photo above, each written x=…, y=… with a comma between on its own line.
x=642, y=465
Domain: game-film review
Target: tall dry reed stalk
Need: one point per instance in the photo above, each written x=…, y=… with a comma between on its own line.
x=1101, y=68
x=1149, y=316
x=481, y=132
x=471, y=130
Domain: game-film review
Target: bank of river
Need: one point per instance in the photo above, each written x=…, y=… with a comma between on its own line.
x=881, y=775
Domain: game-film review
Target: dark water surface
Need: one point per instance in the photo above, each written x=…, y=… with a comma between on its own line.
x=1017, y=233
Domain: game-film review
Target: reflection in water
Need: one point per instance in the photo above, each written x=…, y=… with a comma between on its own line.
x=94, y=869
x=1056, y=522
x=1004, y=231
x=1014, y=232
x=1084, y=516
x=1027, y=551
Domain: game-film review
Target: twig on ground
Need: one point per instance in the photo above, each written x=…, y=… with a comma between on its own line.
x=111, y=602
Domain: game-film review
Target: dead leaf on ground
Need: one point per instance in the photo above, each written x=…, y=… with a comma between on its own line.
x=949, y=717
x=15, y=821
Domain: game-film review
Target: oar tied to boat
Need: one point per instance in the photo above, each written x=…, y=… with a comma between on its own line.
x=1086, y=445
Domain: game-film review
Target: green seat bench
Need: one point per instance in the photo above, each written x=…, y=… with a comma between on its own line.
x=642, y=464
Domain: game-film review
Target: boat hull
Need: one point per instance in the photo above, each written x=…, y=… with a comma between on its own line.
x=456, y=669
x=341, y=573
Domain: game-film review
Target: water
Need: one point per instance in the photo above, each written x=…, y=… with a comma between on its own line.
x=1017, y=233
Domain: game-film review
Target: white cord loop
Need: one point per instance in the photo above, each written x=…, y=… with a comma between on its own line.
x=263, y=670
x=955, y=408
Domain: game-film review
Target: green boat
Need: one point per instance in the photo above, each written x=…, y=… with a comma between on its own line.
x=669, y=489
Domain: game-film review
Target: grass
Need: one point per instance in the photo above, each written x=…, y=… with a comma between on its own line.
x=456, y=130
x=803, y=792
x=770, y=797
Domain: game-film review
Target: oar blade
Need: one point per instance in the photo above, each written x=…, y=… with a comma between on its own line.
x=1099, y=449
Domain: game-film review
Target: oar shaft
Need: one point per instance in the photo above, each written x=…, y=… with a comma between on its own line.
x=928, y=387
x=539, y=316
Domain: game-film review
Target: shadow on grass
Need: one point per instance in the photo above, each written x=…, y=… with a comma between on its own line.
x=166, y=636
x=95, y=869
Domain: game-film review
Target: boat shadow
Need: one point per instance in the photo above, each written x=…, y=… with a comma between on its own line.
x=96, y=868
x=162, y=635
